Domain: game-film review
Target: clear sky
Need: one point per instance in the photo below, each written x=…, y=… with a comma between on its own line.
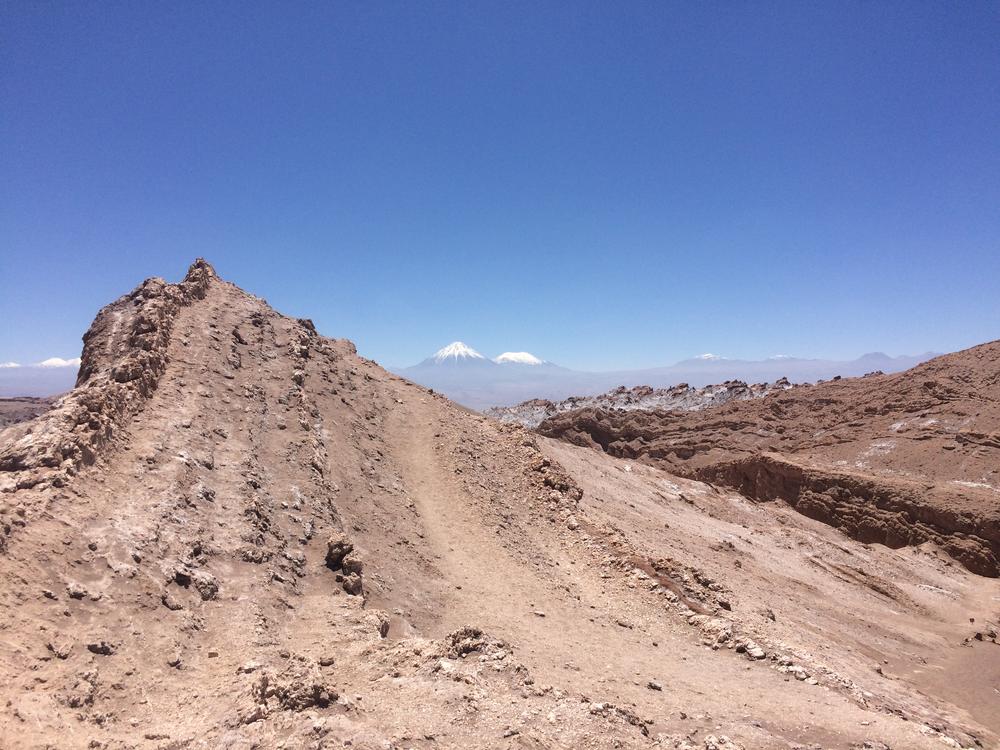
x=606, y=185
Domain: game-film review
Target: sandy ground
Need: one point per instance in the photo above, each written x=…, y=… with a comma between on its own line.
x=182, y=589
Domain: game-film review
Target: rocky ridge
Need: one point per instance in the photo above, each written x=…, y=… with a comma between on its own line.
x=897, y=459
x=237, y=532
x=681, y=397
x=110, y=388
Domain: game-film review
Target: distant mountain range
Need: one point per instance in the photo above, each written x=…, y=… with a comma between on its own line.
x=47, y=378
x=478, y=382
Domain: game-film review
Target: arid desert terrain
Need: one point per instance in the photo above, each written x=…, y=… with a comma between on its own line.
x=237, y=533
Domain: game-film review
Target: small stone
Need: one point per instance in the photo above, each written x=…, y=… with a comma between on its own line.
x=444, y=667
x=352, y=564
x=170, y=603
x=60, y=648
x=751, y=649
x=352, y=584
x=76, y=590
x=103, y=648
x=206, y=584
x=337, y=548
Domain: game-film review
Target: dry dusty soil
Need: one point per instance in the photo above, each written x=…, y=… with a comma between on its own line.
x=236, y=533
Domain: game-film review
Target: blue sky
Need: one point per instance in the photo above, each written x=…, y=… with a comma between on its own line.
x=607, y=185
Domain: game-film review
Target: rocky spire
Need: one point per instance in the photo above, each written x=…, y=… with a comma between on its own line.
x=200, y=273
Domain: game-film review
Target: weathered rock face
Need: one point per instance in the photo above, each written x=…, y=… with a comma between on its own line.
x=124, y=355
x=895, y=459
x=893, y=512
x=181, y=512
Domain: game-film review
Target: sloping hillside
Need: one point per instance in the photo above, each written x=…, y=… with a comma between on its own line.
x=237, y=533
x=897, y=459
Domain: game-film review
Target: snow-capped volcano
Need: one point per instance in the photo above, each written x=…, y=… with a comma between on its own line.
x=466, y=376
x=518, y=358
x=456, y=351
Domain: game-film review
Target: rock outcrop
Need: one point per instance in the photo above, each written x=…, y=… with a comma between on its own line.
x=896, y=459
x=893, y=512
x=681, y=397
x=124, y=355
x=236, y=532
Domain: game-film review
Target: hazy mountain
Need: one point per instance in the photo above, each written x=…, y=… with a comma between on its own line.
x=468, y=377
x=58, y=376
x=705, y=370
x=519, y=358
x=472, y=379
x=478, y=382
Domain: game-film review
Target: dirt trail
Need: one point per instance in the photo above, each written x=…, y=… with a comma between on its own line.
x=461, y=548
x=484, y=581
x=605, y=636
x=237, y=533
